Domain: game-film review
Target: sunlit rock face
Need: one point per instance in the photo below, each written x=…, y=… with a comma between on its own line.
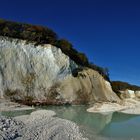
x=89, y=85
x=127, y=94
x=43, y=73
x=137, y=93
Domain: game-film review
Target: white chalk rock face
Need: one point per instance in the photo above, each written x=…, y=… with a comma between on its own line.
x=137, y=93
x=127, y=94
x=43, y=73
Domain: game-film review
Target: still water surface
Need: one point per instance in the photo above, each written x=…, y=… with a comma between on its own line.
x=115, y=126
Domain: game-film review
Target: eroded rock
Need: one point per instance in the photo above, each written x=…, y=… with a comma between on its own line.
x=127, y=94
x=44, y=74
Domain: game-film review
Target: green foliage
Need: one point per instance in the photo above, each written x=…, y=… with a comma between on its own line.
x=27, y=32
x=2, y=21
x=44, y=35
x=118, y=85
x=67, y=48
x=64, y=44
x=103, y=71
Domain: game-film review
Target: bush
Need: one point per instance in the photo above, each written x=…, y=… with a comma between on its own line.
x=64, y=44
x=27, y=32
x=103, y=71
x=67, y=48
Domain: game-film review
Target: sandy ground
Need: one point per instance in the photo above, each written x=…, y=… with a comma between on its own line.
x=127, y=106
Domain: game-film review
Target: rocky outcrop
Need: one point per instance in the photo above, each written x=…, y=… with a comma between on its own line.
x=42, y=73
x=127, y=94
x=137, y=93
x=89, y=86
x=126, y=106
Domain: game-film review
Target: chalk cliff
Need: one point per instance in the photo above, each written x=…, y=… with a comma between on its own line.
x=43, y=73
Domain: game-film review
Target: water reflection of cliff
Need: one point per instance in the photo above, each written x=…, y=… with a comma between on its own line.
x=116, y=126
x=78, y=114
x=120, y=117
x=123, y=126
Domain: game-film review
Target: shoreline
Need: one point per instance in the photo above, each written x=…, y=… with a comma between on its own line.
x=40, y=124
x=7, y=105
x=45, y=125
x=127, y=106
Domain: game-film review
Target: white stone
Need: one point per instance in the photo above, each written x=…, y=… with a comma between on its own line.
x=137, y=93
x=127, y=94
x=127, y=106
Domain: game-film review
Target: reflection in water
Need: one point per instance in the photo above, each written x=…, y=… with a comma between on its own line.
x=79, y=115
x=90, y=124
x=116, y=126
x=121, y=117
x=16, y=113
x=123, y=126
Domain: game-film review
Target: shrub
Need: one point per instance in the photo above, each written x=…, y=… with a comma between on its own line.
x=27, y=32
x=67, y=48
x=64, y=44
x=103, y=71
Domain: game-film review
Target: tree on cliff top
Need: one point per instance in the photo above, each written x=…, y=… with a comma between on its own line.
x=119, y=85
x=44, y=35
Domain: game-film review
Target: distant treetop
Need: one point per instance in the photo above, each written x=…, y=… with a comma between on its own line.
x=119, y=86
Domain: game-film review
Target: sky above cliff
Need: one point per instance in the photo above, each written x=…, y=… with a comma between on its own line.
x=107, y=31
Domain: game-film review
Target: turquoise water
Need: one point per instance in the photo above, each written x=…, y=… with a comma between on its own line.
x=116, y=126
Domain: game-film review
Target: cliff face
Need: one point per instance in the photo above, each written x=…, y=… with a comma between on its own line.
x=124, y=94
x=43, y=73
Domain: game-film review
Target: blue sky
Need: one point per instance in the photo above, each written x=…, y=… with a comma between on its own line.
x=108, y=31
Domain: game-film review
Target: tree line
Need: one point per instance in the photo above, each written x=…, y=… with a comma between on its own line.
x=44, y=35
x=119, y=86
